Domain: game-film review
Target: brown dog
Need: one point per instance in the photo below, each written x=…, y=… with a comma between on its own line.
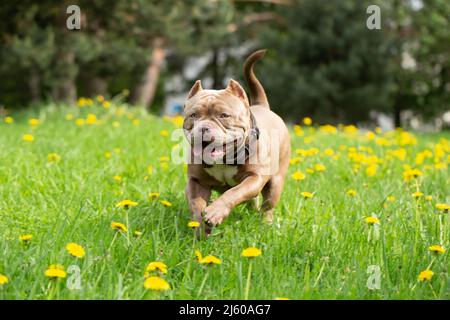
x=217, y=121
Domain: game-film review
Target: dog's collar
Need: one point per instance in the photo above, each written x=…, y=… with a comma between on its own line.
x=252, y=138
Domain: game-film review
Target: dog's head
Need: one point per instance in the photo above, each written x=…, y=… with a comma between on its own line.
x=216, y=121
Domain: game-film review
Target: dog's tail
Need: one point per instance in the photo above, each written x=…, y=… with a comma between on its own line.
x=257, y=93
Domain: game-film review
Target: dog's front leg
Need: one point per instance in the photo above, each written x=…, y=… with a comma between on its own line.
x=249, y=188
x=198, y=197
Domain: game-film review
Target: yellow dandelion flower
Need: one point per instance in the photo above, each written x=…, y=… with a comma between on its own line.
x=100, y=98
x=108, y=154
x=417, y=195
x=328, y=128
x=350, y=129
x=91, y=119
x=410, y=174
x=370, y=135
x=307, y=195
x=80, y=122
x=81, y=102
x=319, y=167
x=156, y=266
x=390, y=198
x=351, y=192
x=193, y=224
x=28, y=137
x=136, y=122
x=295, y=160
x=126, y=204
x=76, y=250
x=426, y=275
x=55, y=271
x=106, y=104
x=298, y=130
x=33, y=122
x=371, y=170
x=120, y=111
x=119, y=226
x=210, y=260
x=444, y=207
x=9, y=120
x=138, y=233
x=117, y=179
x=429, y=198
x=156, y=283
x=440, y=166
x=178, y=121
x=53, y=157
x=165, y=203
x=251, y=252
x=164, y=133
x=198, y=255
x=298, y=175
x=3, y=279
x=436, y=249
x=307, y=121
x=26, y=237
x=153, y=195
x=372, y=220
x=164, y=166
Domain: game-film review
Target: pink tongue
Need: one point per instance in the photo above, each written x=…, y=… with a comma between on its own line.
x=217, y=153
x=198, y=150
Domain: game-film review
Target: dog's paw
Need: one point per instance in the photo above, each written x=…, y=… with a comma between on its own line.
x=215, y=214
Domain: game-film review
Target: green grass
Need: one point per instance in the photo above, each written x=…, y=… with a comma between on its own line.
x=318, y=248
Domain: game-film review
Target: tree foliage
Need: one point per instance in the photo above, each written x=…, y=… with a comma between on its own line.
x=327, y=63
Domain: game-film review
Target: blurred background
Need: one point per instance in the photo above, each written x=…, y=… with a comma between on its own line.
x=322, y=60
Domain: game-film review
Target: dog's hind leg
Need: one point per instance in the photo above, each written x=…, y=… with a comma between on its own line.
x=271, y=195
x=253, y=203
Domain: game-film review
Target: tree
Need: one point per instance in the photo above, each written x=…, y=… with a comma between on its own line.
x=432, y=85
x=326, y=63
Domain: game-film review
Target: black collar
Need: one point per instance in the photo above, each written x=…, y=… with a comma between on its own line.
x=252, y=138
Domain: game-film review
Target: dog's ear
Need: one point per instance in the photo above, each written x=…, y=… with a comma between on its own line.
x=197, y=87
x=236, y=89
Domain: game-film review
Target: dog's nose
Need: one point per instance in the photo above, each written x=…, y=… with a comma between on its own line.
x=204, y=129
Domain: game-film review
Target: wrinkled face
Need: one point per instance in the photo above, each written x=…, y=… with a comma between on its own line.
x=216, y=122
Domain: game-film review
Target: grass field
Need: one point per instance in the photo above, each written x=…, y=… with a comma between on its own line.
x=63, y=187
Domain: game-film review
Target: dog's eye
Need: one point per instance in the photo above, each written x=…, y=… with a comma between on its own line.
x=193, y=115
x=224, y=115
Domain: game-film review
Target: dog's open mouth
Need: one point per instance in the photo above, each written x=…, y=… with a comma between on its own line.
x=214, y=150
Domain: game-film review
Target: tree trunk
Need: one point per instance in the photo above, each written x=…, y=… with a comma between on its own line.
x=397, y=116
x=217, y=78
x=65, y=89
x=35, y=86
x=97, y=86
x=147, y=89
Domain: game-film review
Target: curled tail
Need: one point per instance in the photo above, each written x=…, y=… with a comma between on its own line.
x=257, y=93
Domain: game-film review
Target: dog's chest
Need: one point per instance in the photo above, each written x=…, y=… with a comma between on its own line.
x=223, y=173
